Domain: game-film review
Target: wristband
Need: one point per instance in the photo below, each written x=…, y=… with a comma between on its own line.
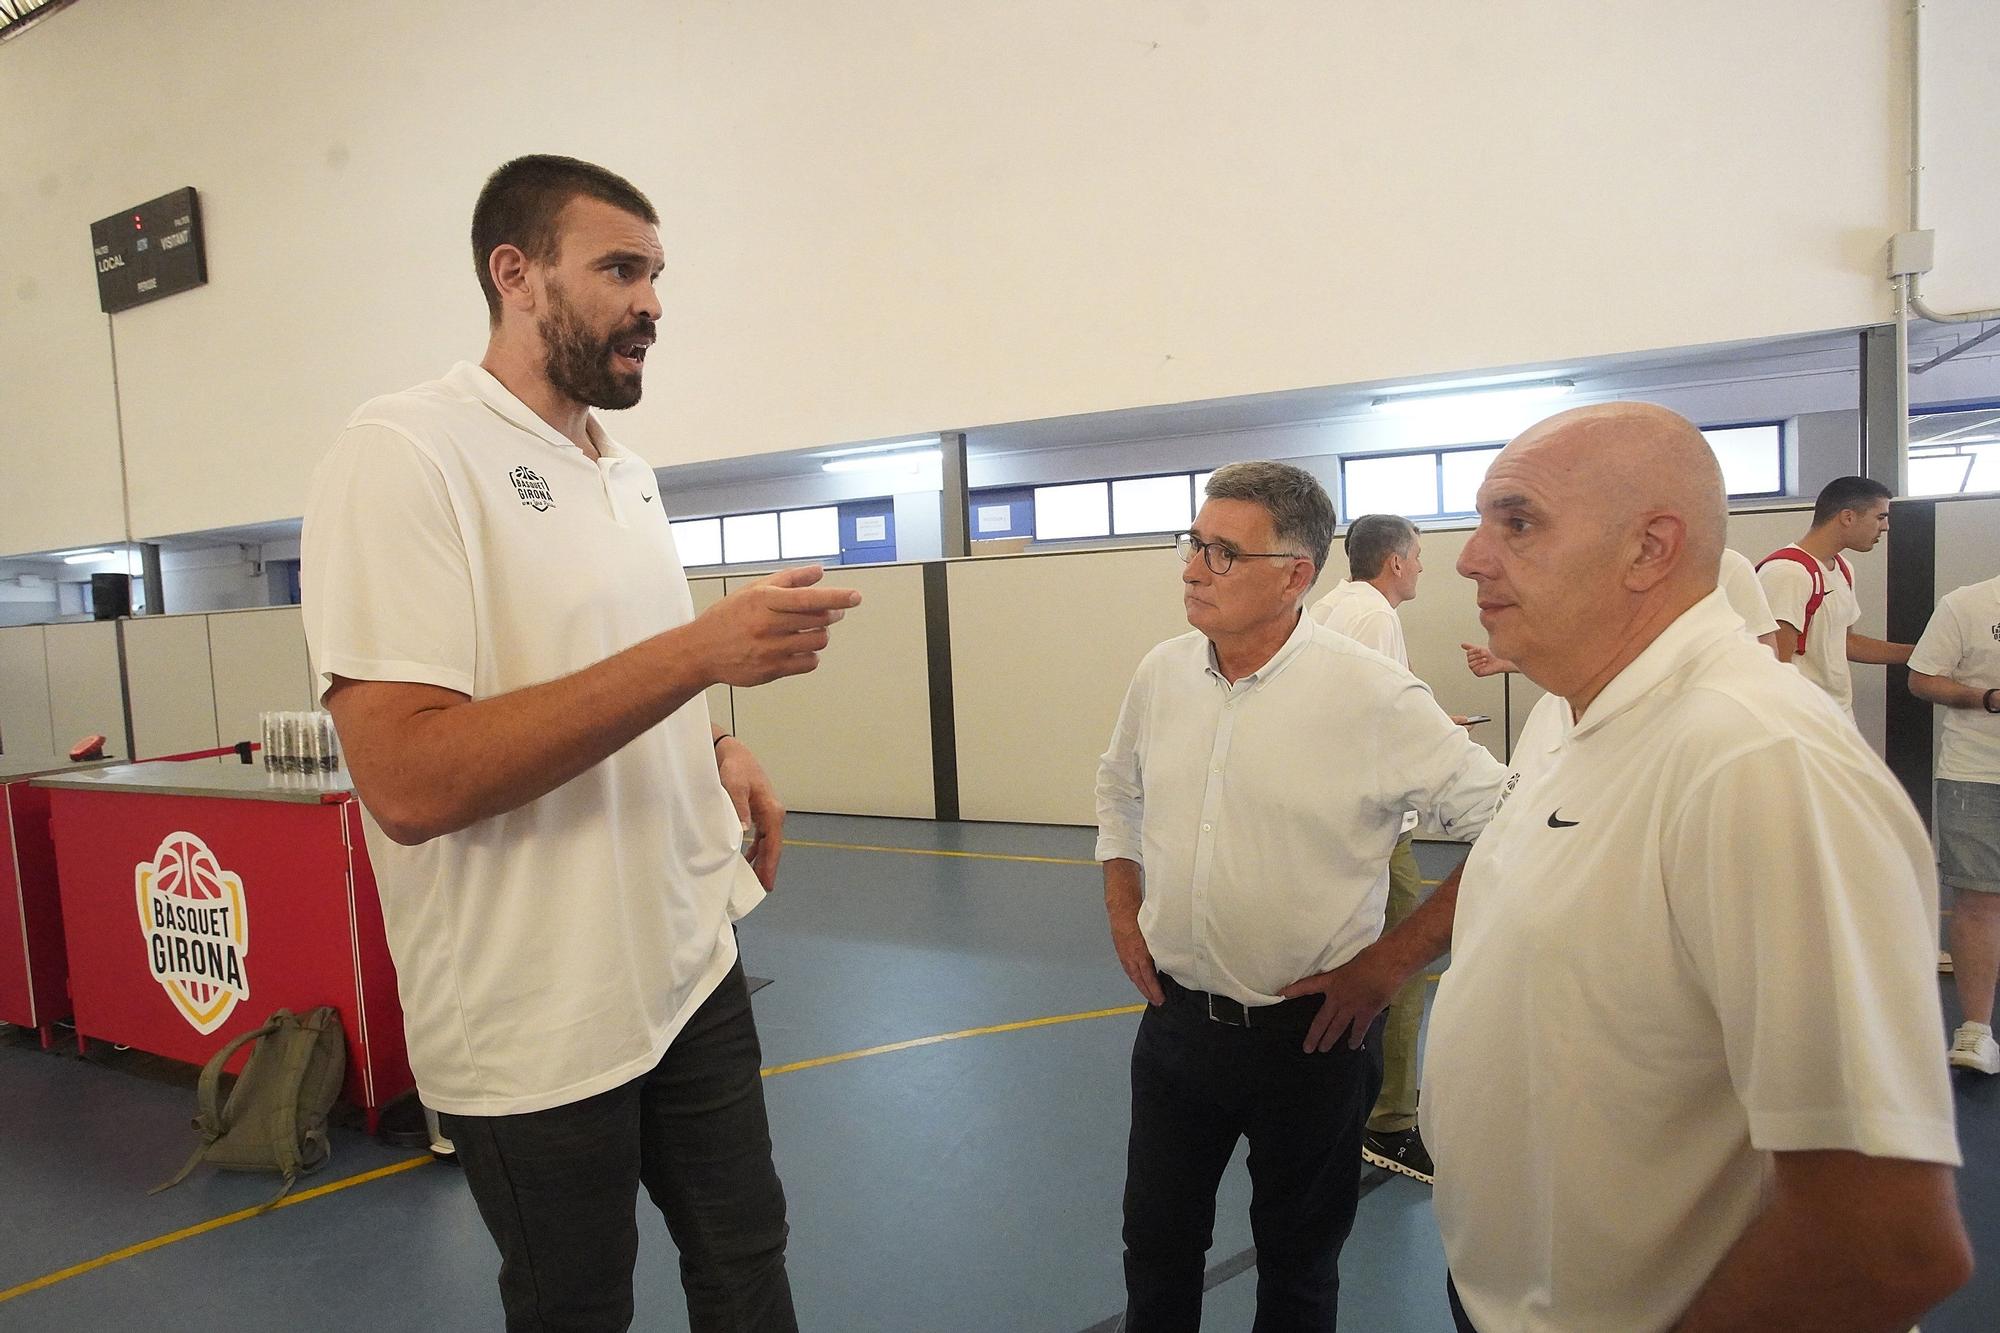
x=1986, y=700
x=721, y=738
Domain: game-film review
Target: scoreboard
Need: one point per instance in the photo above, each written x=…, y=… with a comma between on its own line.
x=148, y=252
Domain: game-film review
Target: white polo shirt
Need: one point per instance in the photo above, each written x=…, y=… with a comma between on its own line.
x=1738, y=581
x=1787, y=586
x=1963, y=642
x=1264, y=812
x=1701, y=929
x=454, y=538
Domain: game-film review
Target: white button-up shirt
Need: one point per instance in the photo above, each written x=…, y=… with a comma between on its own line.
x=1264, y=812
x=1363, y=614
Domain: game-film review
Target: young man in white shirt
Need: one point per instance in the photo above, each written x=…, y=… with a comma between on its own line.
x=1810, y=586
x=1247, y=806
x=1384, y=562
x=1680, y=1072
x=500, y=626
x=1956, y=665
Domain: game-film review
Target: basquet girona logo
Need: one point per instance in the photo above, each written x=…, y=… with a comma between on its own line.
x=197, y=935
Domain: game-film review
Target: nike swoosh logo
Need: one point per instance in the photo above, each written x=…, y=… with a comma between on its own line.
x=1562, y=823
x=648, y=499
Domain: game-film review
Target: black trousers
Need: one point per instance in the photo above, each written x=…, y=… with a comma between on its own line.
x=1197, y=1087
x=1458, y=1319
x=559, y=1188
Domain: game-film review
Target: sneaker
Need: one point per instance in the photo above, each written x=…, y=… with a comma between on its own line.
x=1402, y=1152
x=1944, y=961
x=1973, y=1047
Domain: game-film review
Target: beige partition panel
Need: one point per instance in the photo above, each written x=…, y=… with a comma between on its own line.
x=1968, y=543
x=707, y=592
x=853, y=737
x=24, y=692
x=260, y=666
x=1968, y=551
x=171, y=682
x=1445, y=614
x=1042, y=648
x=86, y=694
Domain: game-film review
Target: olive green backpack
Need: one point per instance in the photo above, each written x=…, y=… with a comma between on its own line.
x=275, y=1117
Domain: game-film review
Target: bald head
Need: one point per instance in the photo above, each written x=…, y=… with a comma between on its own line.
x=1598, y=528
x=1632, y=460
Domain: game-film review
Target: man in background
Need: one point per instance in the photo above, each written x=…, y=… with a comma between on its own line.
x=1956, y=665
x=1810, y=586
x=1384, y=562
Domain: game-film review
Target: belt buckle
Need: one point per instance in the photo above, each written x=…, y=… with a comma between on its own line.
x=1242, y=1018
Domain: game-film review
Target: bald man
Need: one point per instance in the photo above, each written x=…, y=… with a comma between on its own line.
x=1682, y=1071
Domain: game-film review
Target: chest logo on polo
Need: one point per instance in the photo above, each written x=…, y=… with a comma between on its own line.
x=534, y=492
x=197, y=934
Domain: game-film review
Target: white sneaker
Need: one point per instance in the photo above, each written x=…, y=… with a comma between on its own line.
x=1944, y=961
x=1973, y=1047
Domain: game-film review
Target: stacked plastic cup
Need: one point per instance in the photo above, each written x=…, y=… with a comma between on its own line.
x=299, y=747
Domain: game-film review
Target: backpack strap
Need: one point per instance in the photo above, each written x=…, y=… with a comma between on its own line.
x=301, y=1148
x=1818, y=572
x=209, y=1115
x=1846, y=570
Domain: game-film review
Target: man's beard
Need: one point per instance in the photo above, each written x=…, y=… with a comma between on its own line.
x=579, y=362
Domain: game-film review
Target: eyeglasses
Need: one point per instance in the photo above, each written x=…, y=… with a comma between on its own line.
x=1220, y=558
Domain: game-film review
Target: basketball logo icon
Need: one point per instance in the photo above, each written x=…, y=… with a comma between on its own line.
x=197, y=935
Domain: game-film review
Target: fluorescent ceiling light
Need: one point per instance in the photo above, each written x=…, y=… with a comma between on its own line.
x=908, y=461
x=86, y=557
x=914, y=442
x=1421, y=402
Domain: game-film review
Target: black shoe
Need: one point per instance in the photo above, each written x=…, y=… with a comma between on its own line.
x=1402, y=1152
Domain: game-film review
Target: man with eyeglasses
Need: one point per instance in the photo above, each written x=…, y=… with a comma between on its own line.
x=1247, y=807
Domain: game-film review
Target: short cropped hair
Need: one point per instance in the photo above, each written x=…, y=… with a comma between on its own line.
x=1301, y=514
x=1372, y=539
x=1848, y=493
x=521, y=201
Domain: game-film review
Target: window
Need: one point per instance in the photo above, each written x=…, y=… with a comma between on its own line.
x=1752, y=458
x=1066, y=512
x=749, y=538
x=1151, y=504
x=1405, y=484
x=807, y=533
x=1955, y=452
x=1463, y=470
x=1444, y=483
x=699, y=540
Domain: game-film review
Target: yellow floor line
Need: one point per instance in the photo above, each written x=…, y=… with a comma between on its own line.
x=933, y=851
x=915, y=1042
x=202, y=1228
x=243, y=1215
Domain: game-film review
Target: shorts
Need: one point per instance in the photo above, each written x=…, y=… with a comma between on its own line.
x=1968, y=834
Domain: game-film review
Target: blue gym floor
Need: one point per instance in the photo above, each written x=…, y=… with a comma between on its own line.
x=970, y=1183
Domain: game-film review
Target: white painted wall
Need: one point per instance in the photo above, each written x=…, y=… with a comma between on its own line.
x=892, y=216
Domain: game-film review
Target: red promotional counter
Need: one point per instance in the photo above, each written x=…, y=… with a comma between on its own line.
x=34, y=972
x=197, y=898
